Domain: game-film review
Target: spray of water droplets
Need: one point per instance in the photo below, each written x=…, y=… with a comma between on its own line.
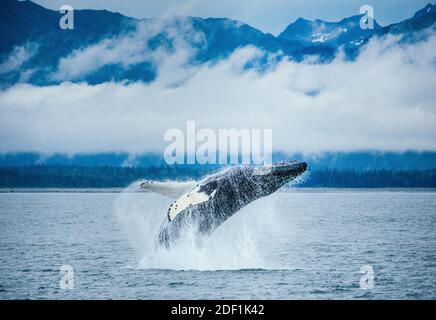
x=234, y=245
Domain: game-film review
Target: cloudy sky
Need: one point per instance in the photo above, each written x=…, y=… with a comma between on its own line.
x=268, y=15
x=382, y=101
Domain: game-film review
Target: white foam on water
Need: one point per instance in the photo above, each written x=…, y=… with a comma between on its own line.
x=235, y=245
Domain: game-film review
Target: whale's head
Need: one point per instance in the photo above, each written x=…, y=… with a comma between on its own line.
x=272, y=177
x=286, y=171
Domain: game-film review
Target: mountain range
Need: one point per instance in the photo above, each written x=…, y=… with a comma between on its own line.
x=35, y=50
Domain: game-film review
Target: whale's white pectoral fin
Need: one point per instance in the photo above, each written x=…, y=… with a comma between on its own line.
x=169, y=189
x=187, y=200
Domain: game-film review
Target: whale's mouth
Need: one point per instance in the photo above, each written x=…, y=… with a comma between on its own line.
x=289, y=169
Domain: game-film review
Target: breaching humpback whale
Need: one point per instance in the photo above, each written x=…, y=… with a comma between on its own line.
x=210, y=202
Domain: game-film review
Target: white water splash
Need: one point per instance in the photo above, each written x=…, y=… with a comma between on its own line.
x=298, y=180
x=234, y=245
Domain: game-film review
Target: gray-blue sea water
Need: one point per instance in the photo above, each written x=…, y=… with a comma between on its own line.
x=292, y=245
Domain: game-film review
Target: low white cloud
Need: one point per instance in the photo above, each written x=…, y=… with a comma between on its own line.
x=385, y=100
x=18, y=56
x=131, y=48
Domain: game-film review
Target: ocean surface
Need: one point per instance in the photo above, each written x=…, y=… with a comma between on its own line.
x=298, y=244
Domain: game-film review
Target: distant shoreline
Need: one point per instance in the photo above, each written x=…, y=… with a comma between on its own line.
x=285, y=190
